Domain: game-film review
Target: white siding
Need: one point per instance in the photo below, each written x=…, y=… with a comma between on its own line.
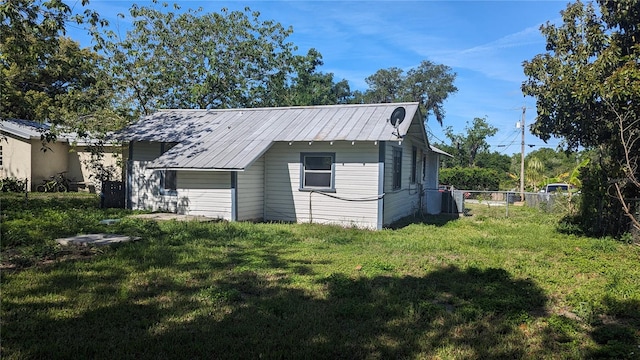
x=250, y=192
x=145, y=183
x=146, y=151
x=356, y=177
x=200, y=193
x=145, y=190
x=405, y=201
x=204, y=193
x=431, y=173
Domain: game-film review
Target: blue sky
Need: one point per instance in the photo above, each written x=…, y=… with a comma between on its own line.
x=484, y=42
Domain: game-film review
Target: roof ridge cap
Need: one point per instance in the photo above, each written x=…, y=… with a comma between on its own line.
x=293, y=107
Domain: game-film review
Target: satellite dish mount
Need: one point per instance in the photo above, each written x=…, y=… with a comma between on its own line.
x=397, y=117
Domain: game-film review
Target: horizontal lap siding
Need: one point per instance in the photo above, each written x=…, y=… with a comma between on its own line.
x=356, y=177
x=204, y=193
x=406, y=201
x=251, y=192
x=145, y=183
x=201, y=193
x=145, y=151
x=145, y=190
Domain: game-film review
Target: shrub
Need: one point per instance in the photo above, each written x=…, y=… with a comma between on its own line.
x=470, y=178
x=11, y=184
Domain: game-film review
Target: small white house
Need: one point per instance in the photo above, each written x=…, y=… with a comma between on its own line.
x=353, y=165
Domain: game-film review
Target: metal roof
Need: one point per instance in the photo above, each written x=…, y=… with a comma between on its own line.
x=28, y=129
x=25, y=129
x=438, y=151
x=232, y=139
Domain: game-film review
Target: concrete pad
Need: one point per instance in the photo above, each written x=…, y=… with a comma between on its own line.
x=109, y=221
x=96, y=239
x=171, y=216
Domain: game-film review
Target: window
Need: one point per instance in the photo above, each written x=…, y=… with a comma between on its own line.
x=414, y=164
x=317, y=171
x=0, y=156
x=168, y=180
x=397, y=168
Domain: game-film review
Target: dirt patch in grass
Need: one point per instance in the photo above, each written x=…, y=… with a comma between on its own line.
x=16, y=259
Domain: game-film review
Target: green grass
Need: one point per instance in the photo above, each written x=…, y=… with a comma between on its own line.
x=482, y=286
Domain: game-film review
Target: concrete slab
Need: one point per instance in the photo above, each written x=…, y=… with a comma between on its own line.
x=109, y=221
x=171, y=216
x=96, y=239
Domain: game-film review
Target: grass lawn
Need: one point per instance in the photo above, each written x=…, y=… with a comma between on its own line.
x=482, y=286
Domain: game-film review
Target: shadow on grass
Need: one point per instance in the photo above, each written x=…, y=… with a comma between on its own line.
x=470, y=313
x=437, y=220
x=617, y=333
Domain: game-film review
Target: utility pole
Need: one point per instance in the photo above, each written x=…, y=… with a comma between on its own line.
x=524, y=109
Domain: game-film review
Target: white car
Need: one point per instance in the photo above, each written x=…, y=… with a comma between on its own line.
x=556, y=187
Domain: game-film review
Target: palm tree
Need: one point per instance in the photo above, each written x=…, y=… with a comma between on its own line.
x=535, y=173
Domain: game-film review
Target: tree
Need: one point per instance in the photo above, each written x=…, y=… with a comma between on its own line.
x=494, y=160
x=429, y=84
x=200, y=60
x=46, y=76
x=534, y=176
x=557, y=165
x=385, y=86
x=587, y=89
x=309, y=86
x=466, y=147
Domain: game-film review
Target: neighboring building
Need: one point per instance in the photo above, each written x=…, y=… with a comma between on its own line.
x=340, y=164
x=23, y=155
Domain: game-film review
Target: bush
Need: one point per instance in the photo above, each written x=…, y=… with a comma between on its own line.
x=11, y=184
x=600, y=212
x=470, y=178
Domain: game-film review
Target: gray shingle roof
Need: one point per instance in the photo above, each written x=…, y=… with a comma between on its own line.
x=234, y=138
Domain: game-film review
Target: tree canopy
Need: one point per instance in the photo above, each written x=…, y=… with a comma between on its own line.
x=587, y=90
x=429, y=84
x=465, y=147
x=200, y=60
x=44, y=75
x=174, y=58
x=309, y=86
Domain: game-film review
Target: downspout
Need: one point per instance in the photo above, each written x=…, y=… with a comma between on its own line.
x=381, y=157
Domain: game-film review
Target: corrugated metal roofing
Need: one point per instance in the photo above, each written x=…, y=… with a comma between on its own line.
x=234, y=138
x=27, y=129
x=438, y=151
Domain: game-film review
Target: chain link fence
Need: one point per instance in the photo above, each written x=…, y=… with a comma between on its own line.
x=455, y=201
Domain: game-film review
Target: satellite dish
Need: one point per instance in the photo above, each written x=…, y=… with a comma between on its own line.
x=397, y=116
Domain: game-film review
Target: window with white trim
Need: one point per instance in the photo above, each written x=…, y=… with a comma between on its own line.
x=397, y=168
x=0, y=156
x=317, y=171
